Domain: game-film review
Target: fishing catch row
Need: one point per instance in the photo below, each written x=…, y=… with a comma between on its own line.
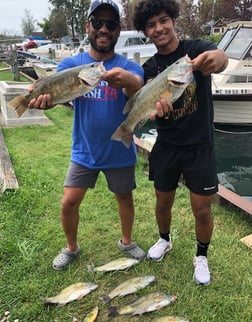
x=146, y=303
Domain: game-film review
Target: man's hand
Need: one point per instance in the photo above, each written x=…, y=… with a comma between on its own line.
x=163, y=109
x=118, y=77
x=42, y=102
x=212, y=61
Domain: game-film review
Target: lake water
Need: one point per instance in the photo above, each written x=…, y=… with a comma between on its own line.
x=233, y=156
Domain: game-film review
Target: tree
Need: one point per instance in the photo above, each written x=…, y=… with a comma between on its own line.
x=228, y=10
x=28, y=23
x=188, y=23
x=45, y=26
x=128, y=11
x=245, y=10
x=75, y=12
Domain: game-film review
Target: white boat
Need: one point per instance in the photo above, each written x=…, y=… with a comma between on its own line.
x=232, y=89
x=131, y=43
x=44, y=69
x=42, y=66
x=56, y=51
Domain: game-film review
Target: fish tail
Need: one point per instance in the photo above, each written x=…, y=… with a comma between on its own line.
x=19, y=104
x=90, y=268
x=113, y=311
x=44, y=300
x=123, y=134
x=105, y=298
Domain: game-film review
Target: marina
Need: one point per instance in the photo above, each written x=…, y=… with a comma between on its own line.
x=232, y=89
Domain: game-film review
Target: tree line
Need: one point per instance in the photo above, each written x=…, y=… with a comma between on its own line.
x=67, y=17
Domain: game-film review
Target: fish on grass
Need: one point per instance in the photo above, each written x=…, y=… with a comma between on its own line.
x=128, y=287
x=63, y=86
x=171, y=319
x=71, y=293
x=91, y=317
x=146, y=303
x=115, y=265
x=169, y=85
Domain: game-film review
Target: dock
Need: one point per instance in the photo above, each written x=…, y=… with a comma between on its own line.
x=8, y=180
x=223, y=195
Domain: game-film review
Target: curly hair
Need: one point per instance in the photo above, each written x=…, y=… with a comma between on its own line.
x=146, y=9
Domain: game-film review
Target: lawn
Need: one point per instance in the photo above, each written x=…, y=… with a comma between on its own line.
x=31, y=236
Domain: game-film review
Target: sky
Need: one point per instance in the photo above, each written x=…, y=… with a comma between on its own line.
x=13, y=11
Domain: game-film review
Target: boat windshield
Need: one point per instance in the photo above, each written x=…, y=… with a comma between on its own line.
x=237, y=42
x=226, y=38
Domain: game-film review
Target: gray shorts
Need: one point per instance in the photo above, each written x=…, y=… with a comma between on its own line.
x=120, y=180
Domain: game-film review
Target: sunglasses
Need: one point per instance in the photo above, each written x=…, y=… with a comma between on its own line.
x=110, y=24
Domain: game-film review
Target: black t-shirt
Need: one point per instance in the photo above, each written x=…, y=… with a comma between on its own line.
x=191, y=123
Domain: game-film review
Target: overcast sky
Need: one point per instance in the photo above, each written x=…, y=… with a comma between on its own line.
x=13, y=11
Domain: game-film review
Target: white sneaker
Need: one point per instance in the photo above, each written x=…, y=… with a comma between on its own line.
x=201, y=271
x=158, y=250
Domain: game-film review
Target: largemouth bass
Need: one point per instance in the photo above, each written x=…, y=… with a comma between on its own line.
x=71, y=293
x=128, y=287
x=168, y=85
x=115, y=265
x=63, y=86
x=171, y=319
x=147, y=303
x=91, y=317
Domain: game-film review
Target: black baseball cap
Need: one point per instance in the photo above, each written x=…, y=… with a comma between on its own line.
x=104, y=3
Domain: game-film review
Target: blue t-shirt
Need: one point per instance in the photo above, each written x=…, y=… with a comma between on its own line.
x=97, y=115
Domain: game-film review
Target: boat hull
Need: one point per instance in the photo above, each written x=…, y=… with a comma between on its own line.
x=232, y=109
x=44, y=69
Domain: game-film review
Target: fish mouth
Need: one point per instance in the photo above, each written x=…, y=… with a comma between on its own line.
x=85, y=83
x=177, y=83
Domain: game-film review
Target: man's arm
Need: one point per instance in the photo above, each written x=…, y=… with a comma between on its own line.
x=118, y=77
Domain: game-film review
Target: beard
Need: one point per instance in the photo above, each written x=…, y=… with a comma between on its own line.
x=102, y=49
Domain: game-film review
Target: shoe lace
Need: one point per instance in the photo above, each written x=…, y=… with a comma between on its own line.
x=161, y=243
x=201, y=262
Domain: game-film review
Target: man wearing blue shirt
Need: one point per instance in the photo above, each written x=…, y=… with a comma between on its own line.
x=96, y=116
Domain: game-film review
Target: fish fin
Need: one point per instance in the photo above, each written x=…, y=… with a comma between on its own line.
x=130, y=103
x=123, y=134
x=142, y=122
x=19, y=104
x=43, y=299
x=90, y=268
x=113, y=311
x=105, y=298
x=46, y=300
x=68, y=104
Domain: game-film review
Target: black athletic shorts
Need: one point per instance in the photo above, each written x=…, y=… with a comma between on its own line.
x=197, y=165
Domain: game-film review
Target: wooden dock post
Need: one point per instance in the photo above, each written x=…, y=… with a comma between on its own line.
x=8, y=180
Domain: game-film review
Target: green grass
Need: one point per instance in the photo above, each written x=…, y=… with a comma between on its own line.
x=6, y=75
x=31, y=236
